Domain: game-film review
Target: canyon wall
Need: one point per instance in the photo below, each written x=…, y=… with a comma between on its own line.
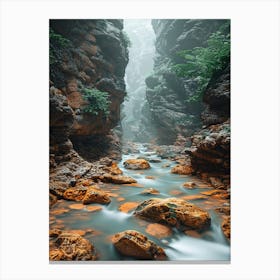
x=167, y=93
x=85, y=54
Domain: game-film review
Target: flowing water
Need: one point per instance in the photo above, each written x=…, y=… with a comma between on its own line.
x=211, y=245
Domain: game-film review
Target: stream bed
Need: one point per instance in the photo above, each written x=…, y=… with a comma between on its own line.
x=98, y=223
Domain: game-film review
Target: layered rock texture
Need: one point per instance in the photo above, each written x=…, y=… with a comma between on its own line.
x=85, y=54
x=134, y=244
x=166, y=93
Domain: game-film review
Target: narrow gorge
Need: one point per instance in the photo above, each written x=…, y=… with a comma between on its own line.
x=139, y=140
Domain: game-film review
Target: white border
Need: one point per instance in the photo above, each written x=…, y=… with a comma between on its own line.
x=255, y=138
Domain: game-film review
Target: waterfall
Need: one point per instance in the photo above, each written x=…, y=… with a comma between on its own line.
x=135, y=113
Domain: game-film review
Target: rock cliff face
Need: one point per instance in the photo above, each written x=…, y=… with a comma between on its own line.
x=210, y=151
x=166, y=93
x=85, y=54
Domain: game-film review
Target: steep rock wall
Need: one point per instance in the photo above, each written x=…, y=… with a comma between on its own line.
x=166, y=93
x=85, y=54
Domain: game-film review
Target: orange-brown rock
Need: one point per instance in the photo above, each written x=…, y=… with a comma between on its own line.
x=114, y=169
x=117, y=179
x=54, y=232
x=58, y=188
x=223, y=210
x=194, y=197
x=134, y=244
x=128, y=206
x=158, y=230
x=94, y=195
x=58, y=211
x=52, y=200
x=71, y=246
x=226, y=227
x=93, y=208
x=75, y=193
x=182, y=170
x=189, y=185
x=175, y=192
x=136, y=164
x=174, y=212
x=76, y=206
x=150, y=177
x=150, y=191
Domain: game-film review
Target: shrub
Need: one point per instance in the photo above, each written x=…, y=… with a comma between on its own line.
x=98, y=101
x=203, y=62
x=57, y=42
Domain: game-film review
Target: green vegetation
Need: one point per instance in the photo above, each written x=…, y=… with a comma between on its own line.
x=203, y=62
x=57, y=42
x=98, y=101
x=126, y=40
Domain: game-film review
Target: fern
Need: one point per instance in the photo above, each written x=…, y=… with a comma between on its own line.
x=203, y=62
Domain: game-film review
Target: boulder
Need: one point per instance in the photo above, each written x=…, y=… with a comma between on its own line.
x=182, y=169
x=75, y=193
x=72, y=247
x=117, y=179
x=94, y=195
x=134, y=244
x=87, y=195
x=174, y=212
x=136, y=164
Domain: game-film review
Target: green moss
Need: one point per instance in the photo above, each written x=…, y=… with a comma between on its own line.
x=57, y=44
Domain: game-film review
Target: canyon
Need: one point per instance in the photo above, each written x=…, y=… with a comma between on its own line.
x=137, y=172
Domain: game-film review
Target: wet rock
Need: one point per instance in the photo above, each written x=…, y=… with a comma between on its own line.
x=114, y=169
x=182, y=170
x=194, y=197
x=128, y=206
x=150, y=177
x=116, y=179
x=174, y=212
x=190, y=185
x=93, y=208
x=223, y=210
x=76, y=206
x=75, y=193
x=158, y=230
x=150, y=191
x=136, y=164
x=52, y=200
x=210, y=150
x=72, y=247
x=58, y=188
x=54, y=232
x=226, y=227
x=134, y=244
x=94, y=195
x=87, y=195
